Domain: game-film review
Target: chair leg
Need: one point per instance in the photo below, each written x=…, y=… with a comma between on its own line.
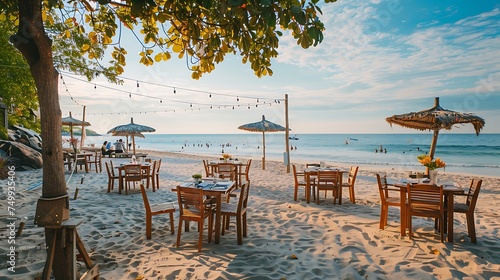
x=245, y=225
x=200, y=235
x=382, y=217
x=471, y=227
x=171, y=223
x=295, y=193
x=223, y=230
x=352, y=195
x=179, y=232
x=148, y=226
x=239, y=230
x=410, y=227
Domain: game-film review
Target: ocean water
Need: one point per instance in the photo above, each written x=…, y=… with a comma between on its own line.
x=465, y=153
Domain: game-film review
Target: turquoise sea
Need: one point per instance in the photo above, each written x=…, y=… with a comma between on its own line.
x=465, y=153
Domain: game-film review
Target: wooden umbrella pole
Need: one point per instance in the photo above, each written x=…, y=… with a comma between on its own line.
x=264, y=150
x=433, y=144
x=133, y=142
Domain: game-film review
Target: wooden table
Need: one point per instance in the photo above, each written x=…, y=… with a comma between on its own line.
x=313, y=171
x=228, y=187
x=73, y=158
x=449, y=189
x=146, y=166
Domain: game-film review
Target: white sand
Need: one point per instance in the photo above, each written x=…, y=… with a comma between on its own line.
x=329, y=241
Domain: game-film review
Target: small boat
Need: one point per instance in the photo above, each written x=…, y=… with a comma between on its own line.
x=293, y=137
x=353, y=139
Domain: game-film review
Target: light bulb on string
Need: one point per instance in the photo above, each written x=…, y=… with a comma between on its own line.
x=237, y=98
x=257, y=100
x=137, y=83
x=210, y=95
x=175, y=91
x=95, y=86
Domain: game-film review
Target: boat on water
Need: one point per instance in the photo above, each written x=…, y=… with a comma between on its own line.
x=293, y=137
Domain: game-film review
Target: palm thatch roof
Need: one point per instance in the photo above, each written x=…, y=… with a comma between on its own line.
x=436, y=118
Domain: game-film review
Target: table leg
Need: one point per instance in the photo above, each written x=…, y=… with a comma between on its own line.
x=450, y=217
x=402, y=211
x=339, y=188
x=120, y=182
x=308, y=187
x=218, y=219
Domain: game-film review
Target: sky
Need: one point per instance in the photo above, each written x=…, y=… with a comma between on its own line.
x=378, y=58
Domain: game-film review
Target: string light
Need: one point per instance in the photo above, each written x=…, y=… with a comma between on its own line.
x=160, y=100
x=175, y=91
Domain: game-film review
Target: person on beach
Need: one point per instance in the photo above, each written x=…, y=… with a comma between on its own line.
x=119, y=146
x=104, y=149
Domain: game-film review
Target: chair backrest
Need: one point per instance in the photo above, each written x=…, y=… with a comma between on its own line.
x=425, y=198
x=226, y=170
x=247, y=166
x=243, y=201
x=295, y=177
x=146, y=200
x=327, y=177
x=157, y=167
x=191, y=199
x=353, y=172
x=473, y=194
x=382, y=188
x=207, y=168
x=109, y=170
x=112, y=168
x=133, y=172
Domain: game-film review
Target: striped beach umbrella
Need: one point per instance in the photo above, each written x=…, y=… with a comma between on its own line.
x=435, y=119
x=263, y=126
x=132, y=129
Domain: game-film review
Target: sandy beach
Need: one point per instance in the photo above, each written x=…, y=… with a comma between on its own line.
x=287, y=239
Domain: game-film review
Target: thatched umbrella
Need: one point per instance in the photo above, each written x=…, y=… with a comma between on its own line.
x=263, y=126
x=436, y=118
x=73, y=122
x=131, y=129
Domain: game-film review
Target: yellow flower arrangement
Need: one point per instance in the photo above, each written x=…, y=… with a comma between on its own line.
x=226, y=156
x=426, y=160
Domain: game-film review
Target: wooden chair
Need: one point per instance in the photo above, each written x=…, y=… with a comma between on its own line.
x=468, y=207
x=208, y=170
x=148, y=174
x=226, y=170
x=155, y=175
x=350, y=183
x=300, y=181
x=133, y=174
x=111, y=176
x=327, y=180
x=386, y=200
x=81, y=161
x=156, y=209
x=192, y=207
x=245, y=171
x=238, y=211
x=425, y=201
x=96, y=160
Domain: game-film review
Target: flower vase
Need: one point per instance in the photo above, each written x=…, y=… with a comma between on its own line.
x=225, y=159
x=197, y=181
x=433, y=174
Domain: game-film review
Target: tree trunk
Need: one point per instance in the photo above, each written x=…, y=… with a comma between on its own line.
x=36, y=47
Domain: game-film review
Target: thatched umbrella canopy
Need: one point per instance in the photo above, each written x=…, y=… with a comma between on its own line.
x=262, y=126
x=436, y=118
x=131, y=129
x=70, y=121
